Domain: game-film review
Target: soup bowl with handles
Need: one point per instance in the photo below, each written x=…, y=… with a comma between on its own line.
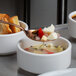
x=41, y=63
x=8, y=42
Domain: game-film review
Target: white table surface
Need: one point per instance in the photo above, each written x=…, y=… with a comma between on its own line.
x=8, y=64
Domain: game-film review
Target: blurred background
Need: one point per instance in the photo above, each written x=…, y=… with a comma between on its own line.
x=39, y=13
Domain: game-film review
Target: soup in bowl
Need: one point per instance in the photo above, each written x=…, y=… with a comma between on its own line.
x=40, y=63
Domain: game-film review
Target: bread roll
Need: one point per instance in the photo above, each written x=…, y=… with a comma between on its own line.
x=4, y=28
x=14, y=20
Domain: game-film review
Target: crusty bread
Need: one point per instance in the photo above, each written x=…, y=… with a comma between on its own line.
x=14, y=20
x=4, y=28
x=4, y=16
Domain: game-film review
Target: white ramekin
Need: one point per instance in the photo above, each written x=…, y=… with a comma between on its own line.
x=8, y=42
x=41, y=63
x=72, y=24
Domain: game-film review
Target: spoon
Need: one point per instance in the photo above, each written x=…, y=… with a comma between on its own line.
x=30, y=33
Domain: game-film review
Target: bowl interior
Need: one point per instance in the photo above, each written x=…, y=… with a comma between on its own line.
x=24, y=43
x=24, y=25
x=71, y=15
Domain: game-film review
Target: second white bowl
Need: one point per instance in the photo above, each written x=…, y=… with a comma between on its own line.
x=8, y=42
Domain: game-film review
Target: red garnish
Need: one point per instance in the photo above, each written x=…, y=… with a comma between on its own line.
x=27, y=49
x=50, y=53
x=40, y=33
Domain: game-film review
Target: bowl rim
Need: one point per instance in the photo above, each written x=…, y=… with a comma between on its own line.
x=70, y=16
x=24, y=51
x=5, y=35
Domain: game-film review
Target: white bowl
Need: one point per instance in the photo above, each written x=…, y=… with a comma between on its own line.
x=41, y=63
x=8, y=42
x=64, y=72
x=72, y=24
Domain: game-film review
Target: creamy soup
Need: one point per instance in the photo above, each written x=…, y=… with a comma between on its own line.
x=45, y=49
